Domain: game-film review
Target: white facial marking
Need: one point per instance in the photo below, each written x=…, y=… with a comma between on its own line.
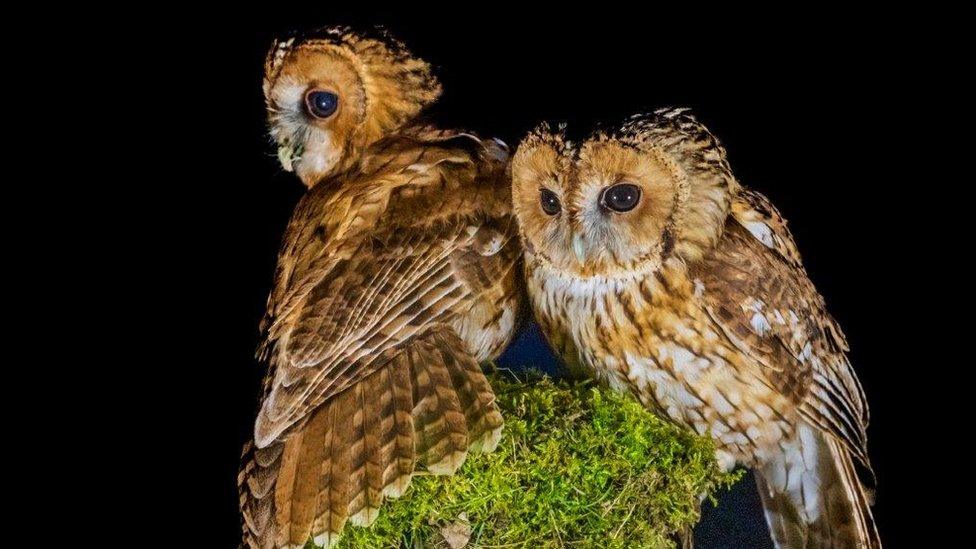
x=321, y=140
x=289, y=94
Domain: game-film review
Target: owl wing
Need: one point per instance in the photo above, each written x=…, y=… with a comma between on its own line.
x=363, y=313
x=758, y=293
x=428, y=405
x=383, y=268
x=367, y=377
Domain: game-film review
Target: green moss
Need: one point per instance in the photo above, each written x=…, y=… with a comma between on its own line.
x=577, y=466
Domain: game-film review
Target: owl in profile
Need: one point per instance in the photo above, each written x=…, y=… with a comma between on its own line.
x=397, y=275
x=650, y=267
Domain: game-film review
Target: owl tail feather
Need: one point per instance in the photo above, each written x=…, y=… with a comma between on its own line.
x=424, y=409
x=813, y=497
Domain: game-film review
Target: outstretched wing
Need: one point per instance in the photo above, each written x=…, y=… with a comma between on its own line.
x=426, y=407
x=367, y=376
x=759, y=294
x=373, y=266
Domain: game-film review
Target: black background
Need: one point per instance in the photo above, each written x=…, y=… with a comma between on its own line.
x=816, y=113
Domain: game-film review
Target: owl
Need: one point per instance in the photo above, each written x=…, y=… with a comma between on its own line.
x=333, y=92
x=399, y=273
x=650, y=267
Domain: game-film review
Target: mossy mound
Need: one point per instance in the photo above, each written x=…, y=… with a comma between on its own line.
x=577, y=466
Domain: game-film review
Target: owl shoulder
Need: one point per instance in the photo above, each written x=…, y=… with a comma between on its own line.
x=428, y=176
x=753, y=211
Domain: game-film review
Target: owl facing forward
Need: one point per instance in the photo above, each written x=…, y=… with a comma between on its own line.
x=397, y=275
x=652, y=268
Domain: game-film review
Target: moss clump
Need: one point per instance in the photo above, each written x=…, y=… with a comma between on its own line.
x=577, y=466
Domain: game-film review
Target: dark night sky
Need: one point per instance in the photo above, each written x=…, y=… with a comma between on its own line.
x=807, y=115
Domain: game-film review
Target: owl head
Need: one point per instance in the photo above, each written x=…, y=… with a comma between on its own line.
x=624, y=200
x=332, y=92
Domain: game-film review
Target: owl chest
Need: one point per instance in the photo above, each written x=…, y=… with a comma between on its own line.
x=609, y=328
x=672, y=360
x=578, y=321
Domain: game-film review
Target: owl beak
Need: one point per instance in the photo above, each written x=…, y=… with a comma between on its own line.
x=289, y=154
x=286, y=157
x=578, y=248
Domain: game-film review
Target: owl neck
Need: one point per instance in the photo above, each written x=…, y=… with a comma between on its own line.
x=670, y=268
x=669, y=286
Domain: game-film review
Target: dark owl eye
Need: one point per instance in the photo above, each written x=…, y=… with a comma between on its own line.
x=621, y=197
x=321, y=104
x=550, y=202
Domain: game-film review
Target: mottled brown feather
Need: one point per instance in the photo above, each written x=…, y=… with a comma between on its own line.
x=752, y=209
x=798, y=348
x=392, y=284
x=354, y=450
x=438, y=416
x=337, y=310
x=477, y=400
x=402, y=456
x=396, y=275
x=695, y=300
x=840, y=500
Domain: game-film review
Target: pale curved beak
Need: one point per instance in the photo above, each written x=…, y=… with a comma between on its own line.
x=578, y=248
x=286, y=155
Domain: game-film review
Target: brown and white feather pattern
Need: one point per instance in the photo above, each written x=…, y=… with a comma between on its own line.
x=393, y=283
x=703, y=311
x=378, y=85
